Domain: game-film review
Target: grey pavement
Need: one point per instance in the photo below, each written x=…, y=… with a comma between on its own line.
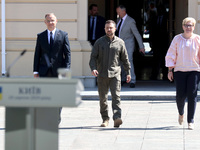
x=150, y=122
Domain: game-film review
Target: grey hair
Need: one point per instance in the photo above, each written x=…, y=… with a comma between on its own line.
x=122, y=7
x=49, y=14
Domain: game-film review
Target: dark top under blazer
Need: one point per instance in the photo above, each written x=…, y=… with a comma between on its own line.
x=57, y=57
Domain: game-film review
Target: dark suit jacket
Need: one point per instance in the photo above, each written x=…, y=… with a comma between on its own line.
x=100, y=25
x=57, y=57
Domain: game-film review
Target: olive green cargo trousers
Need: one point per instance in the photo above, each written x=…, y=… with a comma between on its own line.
x=114, y=84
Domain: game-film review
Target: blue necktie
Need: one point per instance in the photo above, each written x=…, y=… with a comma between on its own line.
x=51, y=39
x=92, y=28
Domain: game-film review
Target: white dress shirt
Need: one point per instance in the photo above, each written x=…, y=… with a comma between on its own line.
x=121, y=24
x=53, y=34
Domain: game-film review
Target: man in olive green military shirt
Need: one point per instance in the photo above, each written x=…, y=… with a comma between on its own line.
x=108, y=53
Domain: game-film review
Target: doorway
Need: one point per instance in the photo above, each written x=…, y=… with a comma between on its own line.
x=140, y=11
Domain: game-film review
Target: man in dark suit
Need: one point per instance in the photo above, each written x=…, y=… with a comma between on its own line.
x=96, y=24
x=52, y=50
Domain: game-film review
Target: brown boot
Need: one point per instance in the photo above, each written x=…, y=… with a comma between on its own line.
x=117, y=122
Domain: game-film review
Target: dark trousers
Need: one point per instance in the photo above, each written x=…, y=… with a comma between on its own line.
x=49, y=75
x=159, y=63
x=114, y=84
x=186, y=87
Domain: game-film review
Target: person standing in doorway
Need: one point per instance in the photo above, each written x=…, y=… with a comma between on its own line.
x=159, y=42
x=96, y=24
x=183, y=62
x=105, y=62
x=127, y=31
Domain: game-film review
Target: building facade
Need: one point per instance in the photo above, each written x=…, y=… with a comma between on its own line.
x=25, y=18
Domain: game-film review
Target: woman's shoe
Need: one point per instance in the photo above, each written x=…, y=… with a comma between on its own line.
x=191, y=126
x=180, y=119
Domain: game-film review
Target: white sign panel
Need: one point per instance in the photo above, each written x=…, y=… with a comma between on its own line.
x=41, y=92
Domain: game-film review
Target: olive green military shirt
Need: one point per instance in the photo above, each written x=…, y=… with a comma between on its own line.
x=107, y=56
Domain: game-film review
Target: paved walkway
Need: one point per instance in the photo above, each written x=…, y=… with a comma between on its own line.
x=148, y=124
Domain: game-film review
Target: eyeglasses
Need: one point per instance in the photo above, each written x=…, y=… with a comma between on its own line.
x=188, y=25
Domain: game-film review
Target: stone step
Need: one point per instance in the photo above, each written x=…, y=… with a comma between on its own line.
x=144, y=90
x=129, y=95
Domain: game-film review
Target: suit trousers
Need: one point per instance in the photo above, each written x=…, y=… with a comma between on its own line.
x=123, y=74
x=50, y=74
x=186, y=87
x=114, y=84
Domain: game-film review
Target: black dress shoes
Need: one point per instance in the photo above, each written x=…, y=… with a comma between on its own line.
x=132, y=85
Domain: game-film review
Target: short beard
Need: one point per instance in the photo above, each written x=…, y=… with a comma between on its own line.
x=109, y=34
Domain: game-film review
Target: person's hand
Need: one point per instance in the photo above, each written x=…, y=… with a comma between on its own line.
x=142, y=50
x=170, y=76
x=95, y=73
x=36, y=75
x=128, y=78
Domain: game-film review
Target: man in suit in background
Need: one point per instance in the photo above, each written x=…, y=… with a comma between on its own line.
x=52, y=50
x=96, y=24
x=127, y=31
